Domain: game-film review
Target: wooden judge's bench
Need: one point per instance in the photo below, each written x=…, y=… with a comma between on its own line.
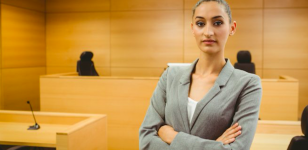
x=126, y=99
x=63, y=131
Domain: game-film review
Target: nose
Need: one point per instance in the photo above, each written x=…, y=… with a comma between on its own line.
x=208, y=31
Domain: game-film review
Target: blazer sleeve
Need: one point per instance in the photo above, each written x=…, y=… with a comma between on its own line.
x=154, y=119
x=246, y=114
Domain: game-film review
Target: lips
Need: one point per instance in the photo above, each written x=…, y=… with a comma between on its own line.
x=208, y=41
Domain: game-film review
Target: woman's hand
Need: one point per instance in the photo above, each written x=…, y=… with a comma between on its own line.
x=230, y=134
x=167, y=133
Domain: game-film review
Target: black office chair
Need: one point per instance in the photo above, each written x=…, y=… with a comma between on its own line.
x=244, y=62
x=85, y=66
x=301, y=142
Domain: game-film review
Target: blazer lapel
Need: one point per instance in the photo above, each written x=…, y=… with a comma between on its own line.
x=183, y=90
x=201, y=104
x=221, y=81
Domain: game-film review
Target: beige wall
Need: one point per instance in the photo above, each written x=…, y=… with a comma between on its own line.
x=23, y=56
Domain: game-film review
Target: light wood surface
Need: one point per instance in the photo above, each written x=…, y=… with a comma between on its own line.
x=77, y=5
x=69, y=34
x=259, y=72
x=285, y=4
x=135, y=72
x=27, y=28
x=37, y=5
x=123, y=98
x=275, y=135
x=242, y=40
x=20, y=85
x=1, y=99
x=146, y=5
x=189, y=4
x=102, y=71
x=301, y=75
x=279, y=99
x=89, y=134
x=56, y=129
x=281, y=51
x=138, y=41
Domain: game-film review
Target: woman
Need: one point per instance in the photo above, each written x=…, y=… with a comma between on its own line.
x=208, y=105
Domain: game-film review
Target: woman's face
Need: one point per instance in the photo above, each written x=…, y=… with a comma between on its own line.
x=211, y=28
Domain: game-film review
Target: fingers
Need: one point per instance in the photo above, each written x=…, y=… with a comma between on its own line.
x=231, y=138
x=228, y=141
x=232, y=127
x=230, y=134
x=233, y=131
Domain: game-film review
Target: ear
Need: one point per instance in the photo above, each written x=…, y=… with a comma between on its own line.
x=192, y=30
x=233, y=28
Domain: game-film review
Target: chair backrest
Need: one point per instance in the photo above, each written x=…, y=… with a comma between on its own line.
x=244, y=62
x=304, y=121
x=85, y=66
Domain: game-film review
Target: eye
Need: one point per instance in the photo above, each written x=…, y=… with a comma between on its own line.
x=200, y=24
x=218, y=23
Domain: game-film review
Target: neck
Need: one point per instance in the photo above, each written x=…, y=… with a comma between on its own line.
x=209, y=64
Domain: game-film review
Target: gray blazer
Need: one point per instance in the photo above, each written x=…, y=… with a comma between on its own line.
x=235, y=97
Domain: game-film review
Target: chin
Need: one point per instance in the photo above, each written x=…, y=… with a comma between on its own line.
x=209, y=50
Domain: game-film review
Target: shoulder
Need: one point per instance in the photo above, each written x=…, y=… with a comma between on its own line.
x=244, y=81
x=241, y=75
x=175, y=70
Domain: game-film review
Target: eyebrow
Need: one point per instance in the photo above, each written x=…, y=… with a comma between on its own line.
x=215, y=17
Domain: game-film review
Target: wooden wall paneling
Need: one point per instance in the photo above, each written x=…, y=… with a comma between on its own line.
x=23, y=37
x=279, y=100
x=285, y=39
x=1, y=89
x=285, y=3
x=129, y=138
x=259, y=72
x=19, y=86
x=137, y=72
x=301, y=75
x=191, y=50
x=86, y=135
x=147, y=39
x=37, y=5
x=1, y=99
x=247, y=37
x=124, y=104
x=69, y=34
x=77, y=5
x=102, y=71
x=189, y=4
x=146, y=5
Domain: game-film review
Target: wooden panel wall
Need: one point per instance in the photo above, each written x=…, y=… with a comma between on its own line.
x=1, y=99
x=23, y=52
x=285, y=49
x=138, y=38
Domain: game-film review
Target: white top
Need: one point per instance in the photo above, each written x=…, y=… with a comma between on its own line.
x=191, y=106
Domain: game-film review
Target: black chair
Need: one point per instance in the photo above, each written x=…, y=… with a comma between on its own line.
x=301, y=142
x=85, y=66
x=244, y=62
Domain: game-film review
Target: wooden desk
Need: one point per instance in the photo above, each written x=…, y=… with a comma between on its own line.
x=126, y=99
x=279, y=99
x=61, y=130
x=275, y=135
